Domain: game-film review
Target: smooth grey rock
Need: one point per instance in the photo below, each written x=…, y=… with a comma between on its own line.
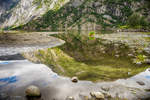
x=140, y=82
x=74, y=79
x=97, y=95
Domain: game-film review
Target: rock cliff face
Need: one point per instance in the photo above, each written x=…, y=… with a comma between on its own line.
x=73, y=14
x=19, y=12
x=90, y=15
x=5, y=6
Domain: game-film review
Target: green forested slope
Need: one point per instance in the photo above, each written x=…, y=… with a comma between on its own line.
x=94, y=14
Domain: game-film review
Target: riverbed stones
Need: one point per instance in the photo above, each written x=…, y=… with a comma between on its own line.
x=97, y=95
x=74, y=79
x=33, y=91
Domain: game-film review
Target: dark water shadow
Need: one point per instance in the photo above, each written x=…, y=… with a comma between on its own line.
x=12, y=57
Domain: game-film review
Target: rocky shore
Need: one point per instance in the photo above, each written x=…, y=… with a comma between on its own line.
x=137, y=45
x=14, y=43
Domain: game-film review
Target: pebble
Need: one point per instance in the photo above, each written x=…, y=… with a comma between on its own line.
x=32, y=91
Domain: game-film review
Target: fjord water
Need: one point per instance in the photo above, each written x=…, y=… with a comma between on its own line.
x=16, y=75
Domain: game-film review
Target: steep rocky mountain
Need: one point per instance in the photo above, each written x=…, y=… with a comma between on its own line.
x=5, y=6
x=76, y=14
x=19, y=12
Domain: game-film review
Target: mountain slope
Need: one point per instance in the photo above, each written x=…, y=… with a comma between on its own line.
x=77, y=14
x=26, y=10
x=91, y=15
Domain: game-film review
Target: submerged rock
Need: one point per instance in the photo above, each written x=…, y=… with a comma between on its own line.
x=33, y=91
x=140, y=82
x=4, y=96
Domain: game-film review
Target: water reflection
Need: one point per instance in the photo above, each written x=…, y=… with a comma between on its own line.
x=54, y=87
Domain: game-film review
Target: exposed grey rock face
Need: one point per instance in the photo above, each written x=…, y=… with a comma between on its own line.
x=24, y=10
x=5, y=7
x=20, y=12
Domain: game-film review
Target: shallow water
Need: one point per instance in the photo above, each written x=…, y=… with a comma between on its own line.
x=11, y=43
x=15, y=76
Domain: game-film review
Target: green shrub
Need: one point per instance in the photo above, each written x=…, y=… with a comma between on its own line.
x=124, y=27
x=91, y=35
x=137, y=21
x=141, y=58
